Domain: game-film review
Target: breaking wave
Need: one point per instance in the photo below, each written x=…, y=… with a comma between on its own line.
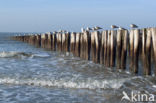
x=63, y=83
x=15, y=54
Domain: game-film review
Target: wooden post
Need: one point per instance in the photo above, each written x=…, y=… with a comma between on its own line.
x=102, y=47
x=95, y=46
x=131, y=43
x=85, y=40
x=154, y=44
x=124, y=49
x=59, y=41
x=119, y=48
x=63, y=42
x=77, y=44
x=43, y=40
x=136, y=50
x=72, y=42
x=113, y=47
x=33, y=39
x=67, y=42
x=54, y=41
x=108, y=48
x=38, y=40
x=146, y=51
x=49, y=41
x=105, y=46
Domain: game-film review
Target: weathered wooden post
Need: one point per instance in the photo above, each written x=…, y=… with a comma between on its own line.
x=154, y=44
x=105, y=46
x=77, y=44
x=63, y=42
x=124, y=49
x=54, y=41
x=85, y=42
x=119, y=48
x=67, y=42
x=146, y=50
x=49, y=40
x=72, y=42
x=43, y=40
x=28, y=37
x=134, y=49
x=59, y=41
x=108, y=48
x=102, y=47
x=33, y=39
x=131, y=53
x=95, y=46
x=38, y=40
x=113, y=47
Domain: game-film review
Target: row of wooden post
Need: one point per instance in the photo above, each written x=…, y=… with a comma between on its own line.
x=121, y=48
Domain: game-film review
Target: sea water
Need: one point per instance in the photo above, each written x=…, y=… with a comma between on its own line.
x=35, y=75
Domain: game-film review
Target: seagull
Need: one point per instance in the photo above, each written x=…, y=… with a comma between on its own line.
x=96, y=28
x=82, y=30
x=121, y=28
x=54, y=32
x=88, y=29
x=60, y=31
x=64, y=31
x=114, y=26
x=133, y=26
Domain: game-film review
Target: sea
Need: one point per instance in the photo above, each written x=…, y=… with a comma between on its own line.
x=29, y=74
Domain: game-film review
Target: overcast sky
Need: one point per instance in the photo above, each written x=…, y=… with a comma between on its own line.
x=50, y=15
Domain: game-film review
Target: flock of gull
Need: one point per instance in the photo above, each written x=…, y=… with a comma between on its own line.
x=99, y=28
x=133, y=26
x=112, y=26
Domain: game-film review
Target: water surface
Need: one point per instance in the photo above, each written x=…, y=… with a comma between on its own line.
x=34, y=75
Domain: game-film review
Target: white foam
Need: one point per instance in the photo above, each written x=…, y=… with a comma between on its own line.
x=41, y=55
x=154, y=86
x=21, y=54
x=7, y=54
x=70, y=83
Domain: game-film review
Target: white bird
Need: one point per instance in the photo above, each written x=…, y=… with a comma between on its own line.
x=64, y=31
x=54, y=32
x=121, y=28
x=82, y=30
x=133, y=26
x=114, y=26
x=88, y=29
x=96, y=28
x=61, y=31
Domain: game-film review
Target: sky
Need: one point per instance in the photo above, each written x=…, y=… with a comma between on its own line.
x=71, y=15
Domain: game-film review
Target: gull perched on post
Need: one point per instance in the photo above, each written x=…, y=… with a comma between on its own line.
x=88, y=29
x=82, y=30
x=54, y=32
x=114, y=26
x=133, y=26
x=121, y=28
x=60, y=31
x=64, y=31
x=96, y=28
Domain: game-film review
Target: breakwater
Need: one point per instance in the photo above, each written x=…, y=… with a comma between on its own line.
x=123, y=49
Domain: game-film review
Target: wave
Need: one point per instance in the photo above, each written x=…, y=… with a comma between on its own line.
x=20, y=54
x=63, y=83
